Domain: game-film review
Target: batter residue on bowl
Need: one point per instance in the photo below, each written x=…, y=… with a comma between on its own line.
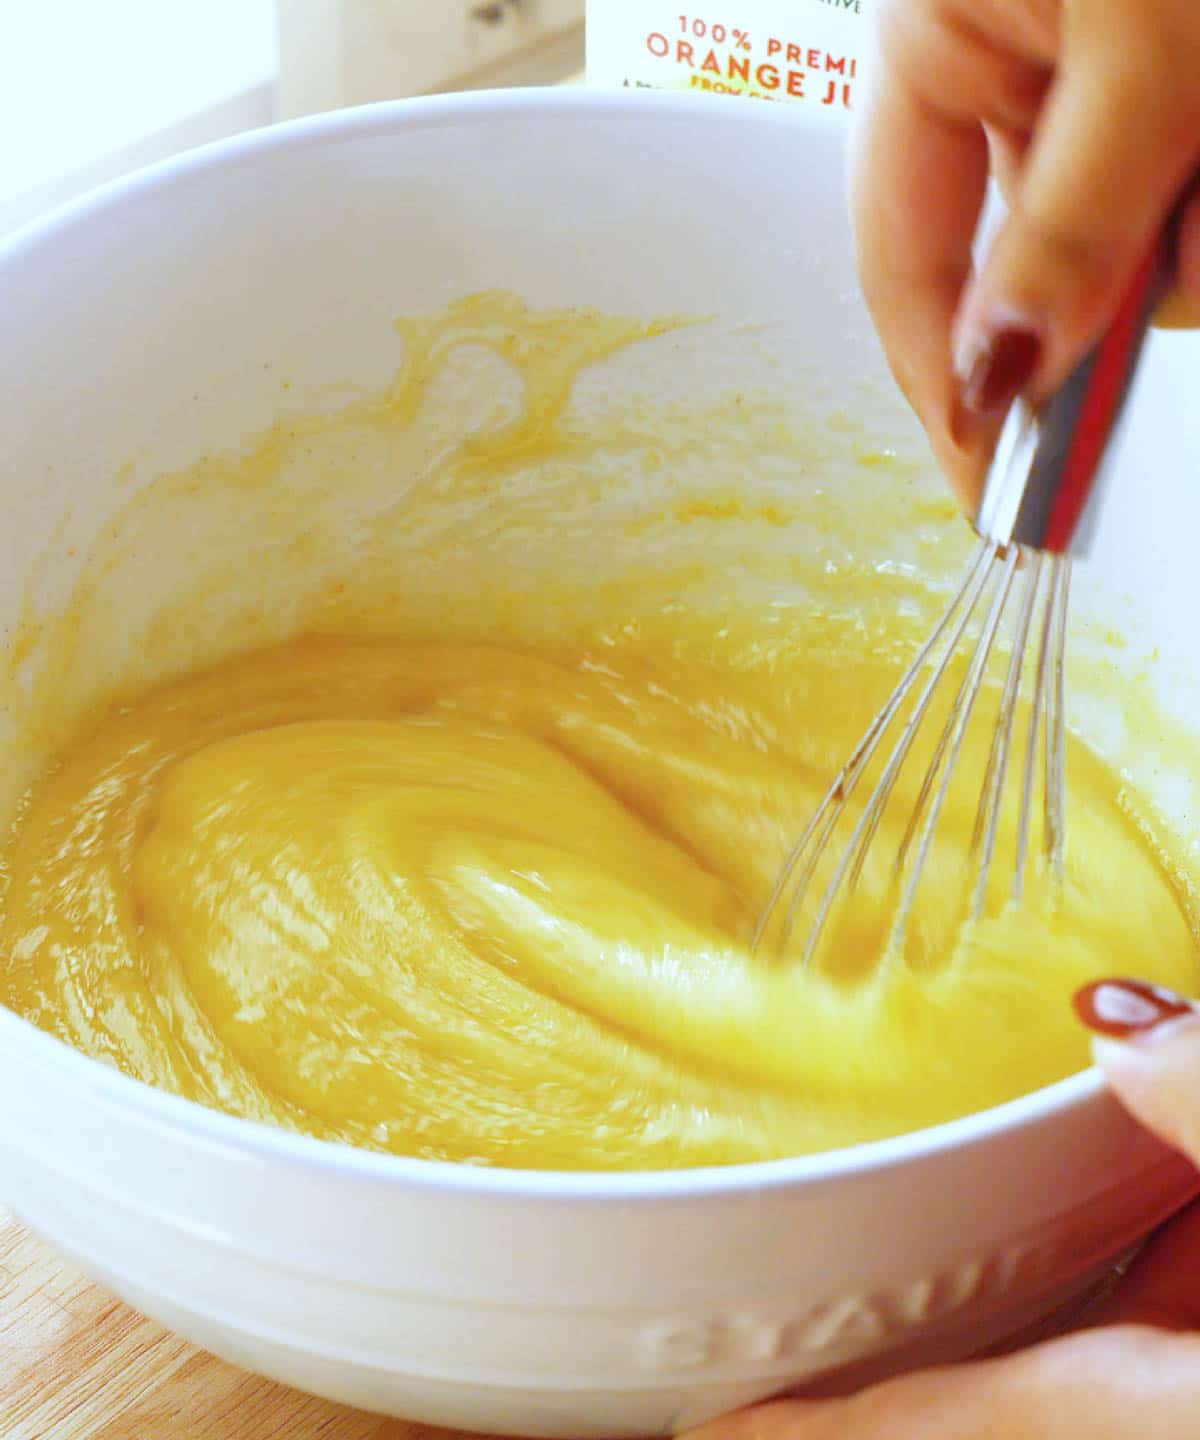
x=489, y=901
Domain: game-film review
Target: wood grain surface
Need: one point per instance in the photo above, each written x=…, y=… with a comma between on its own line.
x=75, y=1364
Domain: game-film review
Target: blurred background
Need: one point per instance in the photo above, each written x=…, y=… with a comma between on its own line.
x=89, y=91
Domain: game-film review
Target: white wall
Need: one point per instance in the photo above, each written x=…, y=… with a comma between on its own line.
x=91, y=88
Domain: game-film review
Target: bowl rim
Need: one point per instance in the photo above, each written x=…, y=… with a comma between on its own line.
x=381, y=118
x=261, y=1141
x=257, y=1140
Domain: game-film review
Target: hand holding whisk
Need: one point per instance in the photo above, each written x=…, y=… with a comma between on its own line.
x=1038, y=509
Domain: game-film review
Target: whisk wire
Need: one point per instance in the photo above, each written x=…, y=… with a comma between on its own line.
x=1056, y=750
x=994, y=572
x=864, y=831
x=987, y=818
x=958, y=721
x=1036, y=716
x=948, y=729
x=839, y=793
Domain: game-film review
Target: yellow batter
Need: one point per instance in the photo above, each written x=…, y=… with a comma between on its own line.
x=489, y=900
x=475, y=904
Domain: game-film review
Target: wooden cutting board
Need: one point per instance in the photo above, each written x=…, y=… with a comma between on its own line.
x=75, y=1364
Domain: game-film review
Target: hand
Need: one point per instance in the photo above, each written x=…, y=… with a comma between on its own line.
x=1087, y=112
x=1136, y=1370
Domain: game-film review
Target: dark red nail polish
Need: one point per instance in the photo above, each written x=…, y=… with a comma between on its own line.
x=962, y=424
x=1001, y=371
x=1124, y=1008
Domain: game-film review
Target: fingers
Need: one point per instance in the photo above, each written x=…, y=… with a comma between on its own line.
x=1137, y=1372
x=1092, y=116
x=1182, y=310
x=1149, y=1050
x=1158, y=1081
x=1106, y=1384
x=1116, y=143
x=918, y=182
x=783, y=1420
x=1008, y=149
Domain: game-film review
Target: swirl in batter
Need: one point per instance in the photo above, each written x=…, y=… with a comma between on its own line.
x=491, y=905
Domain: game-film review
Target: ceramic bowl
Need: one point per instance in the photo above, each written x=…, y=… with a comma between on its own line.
x=155, y=321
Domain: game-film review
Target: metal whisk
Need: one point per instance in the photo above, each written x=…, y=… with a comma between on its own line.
x=1038, y=509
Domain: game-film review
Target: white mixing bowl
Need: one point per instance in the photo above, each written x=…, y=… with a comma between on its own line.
x=155, y=322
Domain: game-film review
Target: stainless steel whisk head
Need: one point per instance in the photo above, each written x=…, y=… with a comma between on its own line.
x=997, y=578
x=1039, y=507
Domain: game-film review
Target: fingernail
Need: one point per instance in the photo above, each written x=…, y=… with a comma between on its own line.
x=1000, y=371
x=1127, y=1009
x=995, y=362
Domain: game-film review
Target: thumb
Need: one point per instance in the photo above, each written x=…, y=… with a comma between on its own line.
x=1148, y=1046
x=1114, y=148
